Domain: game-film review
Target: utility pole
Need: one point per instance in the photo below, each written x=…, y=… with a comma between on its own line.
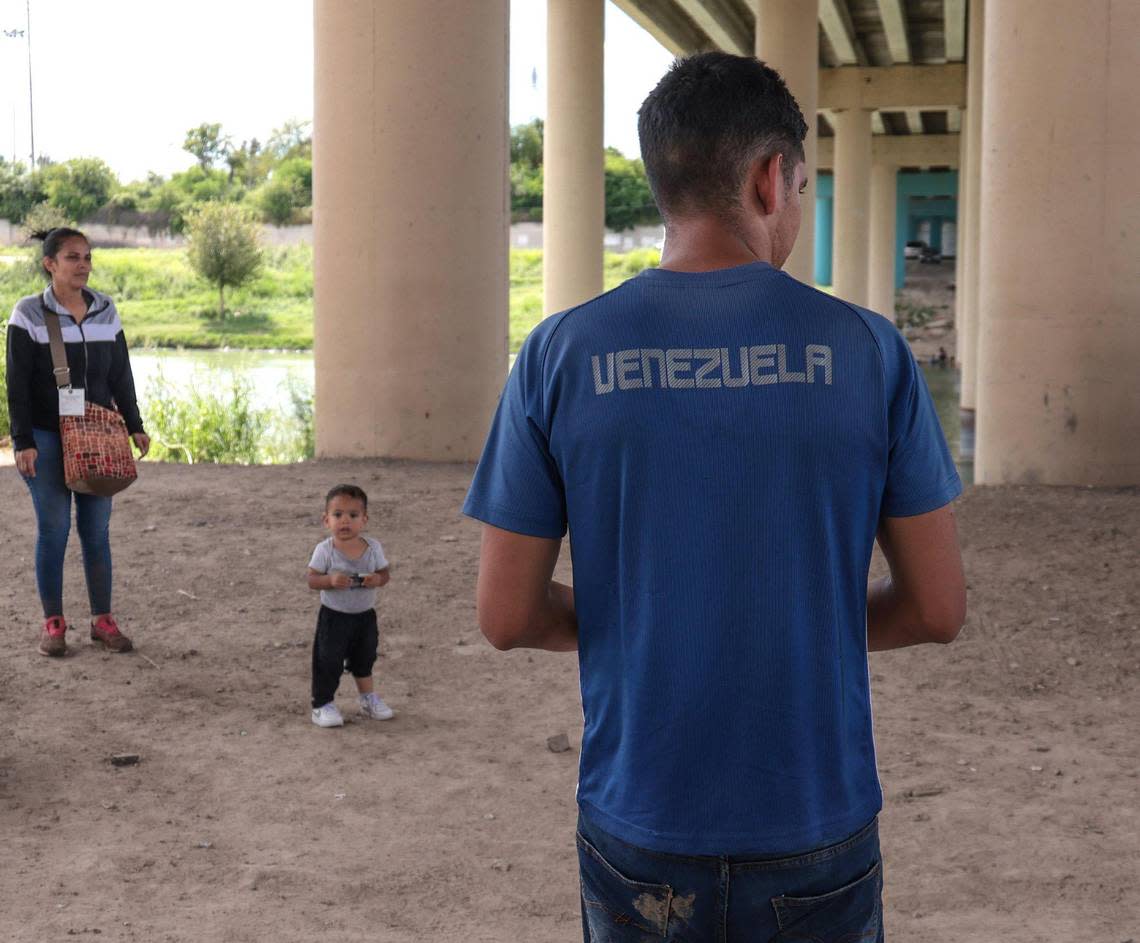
x=31, y=117
x=25, y=34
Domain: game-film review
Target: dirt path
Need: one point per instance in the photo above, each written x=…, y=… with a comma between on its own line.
x=1009, y=759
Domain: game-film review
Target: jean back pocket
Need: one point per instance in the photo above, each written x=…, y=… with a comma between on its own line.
x=614, y=902
x=850, y=914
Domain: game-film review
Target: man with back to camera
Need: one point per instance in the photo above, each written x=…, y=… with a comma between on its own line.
x=725, y=445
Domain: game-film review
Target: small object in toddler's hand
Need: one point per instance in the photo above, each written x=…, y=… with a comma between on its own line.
x=358, y=579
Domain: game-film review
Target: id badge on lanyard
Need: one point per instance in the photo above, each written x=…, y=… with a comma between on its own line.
x=71, y=402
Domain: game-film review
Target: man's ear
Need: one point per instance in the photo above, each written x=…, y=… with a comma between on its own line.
x=767, y=182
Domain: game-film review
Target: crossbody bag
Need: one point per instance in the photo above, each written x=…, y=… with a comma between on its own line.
x=97, y=455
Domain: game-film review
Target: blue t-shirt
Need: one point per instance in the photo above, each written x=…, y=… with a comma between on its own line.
x=722, y=446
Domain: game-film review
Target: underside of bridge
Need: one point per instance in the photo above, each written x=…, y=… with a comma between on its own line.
x=1033, y=104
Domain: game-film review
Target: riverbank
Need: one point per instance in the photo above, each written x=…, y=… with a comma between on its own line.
x=1007, y=759
x=164, y=305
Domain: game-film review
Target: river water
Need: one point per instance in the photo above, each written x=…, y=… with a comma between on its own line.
x=270, y=374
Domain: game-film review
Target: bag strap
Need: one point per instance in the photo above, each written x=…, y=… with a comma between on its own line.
x=58, y=352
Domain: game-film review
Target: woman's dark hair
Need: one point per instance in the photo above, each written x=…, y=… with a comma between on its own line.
x=707, y=120
x=53, y=240
x=348, y=491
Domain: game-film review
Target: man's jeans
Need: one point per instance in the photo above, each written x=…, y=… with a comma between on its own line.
x=52, y=501
x=829, y=895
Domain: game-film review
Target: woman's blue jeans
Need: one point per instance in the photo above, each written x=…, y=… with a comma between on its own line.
x=52, y=501
x=827, y=895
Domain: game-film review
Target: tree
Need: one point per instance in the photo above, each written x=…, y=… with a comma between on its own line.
x=206, y=143
x=223, y=246
x=298, y=171
x=629, y=201
x=19, y=190
x=527, y=143
x=293, y=139
x=277, y=199
x=80, y=186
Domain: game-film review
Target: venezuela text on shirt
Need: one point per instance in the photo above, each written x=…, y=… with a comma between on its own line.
x=708, y=368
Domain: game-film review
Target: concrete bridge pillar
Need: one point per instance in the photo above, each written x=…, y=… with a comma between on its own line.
x=410, y=232
x=881, y=271
x=574, y=201
x=787, y=39
x=852, y=204
x=1058, y=391
x=969, y=239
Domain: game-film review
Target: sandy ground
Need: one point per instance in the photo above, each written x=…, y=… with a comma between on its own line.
x=1009, y=759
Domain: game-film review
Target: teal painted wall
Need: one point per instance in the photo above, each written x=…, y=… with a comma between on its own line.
x=908, y=214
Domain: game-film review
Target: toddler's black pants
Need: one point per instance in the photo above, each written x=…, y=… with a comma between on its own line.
x=345, y=641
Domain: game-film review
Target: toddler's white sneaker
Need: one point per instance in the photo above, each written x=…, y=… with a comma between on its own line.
x=372, y=706
x=328, y=716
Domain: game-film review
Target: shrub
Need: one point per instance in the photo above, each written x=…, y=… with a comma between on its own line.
x=223, y=246
x=216, y=421
x=278, y=200
x=204, y=424
x=44, y=216
x=910, y=314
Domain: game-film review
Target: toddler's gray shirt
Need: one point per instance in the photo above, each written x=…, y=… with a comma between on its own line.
x=327, y=559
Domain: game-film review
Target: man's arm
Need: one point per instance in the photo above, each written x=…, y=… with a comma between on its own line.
x=924, y=598
x=518, y=603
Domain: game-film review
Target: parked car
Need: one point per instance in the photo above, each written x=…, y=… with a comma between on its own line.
x=929, y=256
x=913, y=249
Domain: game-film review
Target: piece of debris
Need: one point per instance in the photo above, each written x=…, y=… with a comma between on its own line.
x=503, y=866
x=188, y=595
x=489, y=816
x=204, y=844
x=1036, y=769
x=559, y=743
x=125, y=759
x=1072, y=662
x=924, y=792
x=150, y=528
x=150, y=661
x=448, y=539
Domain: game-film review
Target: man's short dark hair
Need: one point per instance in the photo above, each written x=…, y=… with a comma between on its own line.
x=348, y=491
x=707, y=120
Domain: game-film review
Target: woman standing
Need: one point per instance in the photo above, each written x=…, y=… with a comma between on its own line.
x=97, y=357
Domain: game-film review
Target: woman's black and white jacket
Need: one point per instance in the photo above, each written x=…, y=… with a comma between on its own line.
x=96, y=354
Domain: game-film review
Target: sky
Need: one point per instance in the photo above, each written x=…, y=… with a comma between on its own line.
x=124, y=80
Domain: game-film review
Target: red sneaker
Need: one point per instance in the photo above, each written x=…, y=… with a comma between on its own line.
x=106, y=630
x=52, y=641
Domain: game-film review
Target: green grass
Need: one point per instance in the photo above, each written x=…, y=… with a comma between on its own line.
x=164, y=304
x=526, y=284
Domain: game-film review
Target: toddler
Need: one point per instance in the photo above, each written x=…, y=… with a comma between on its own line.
x=347, y=568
